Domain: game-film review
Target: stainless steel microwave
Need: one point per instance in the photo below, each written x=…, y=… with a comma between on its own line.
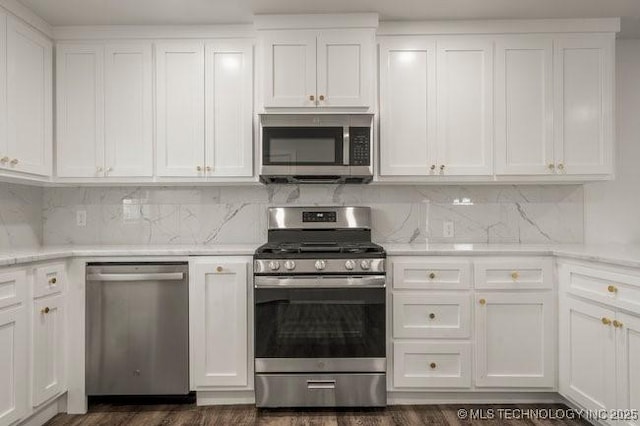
x=316, y=148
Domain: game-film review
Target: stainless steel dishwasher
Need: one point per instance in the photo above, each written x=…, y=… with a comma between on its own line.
x=137, y=332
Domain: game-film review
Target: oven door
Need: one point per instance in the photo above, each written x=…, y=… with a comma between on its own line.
x=333, y=324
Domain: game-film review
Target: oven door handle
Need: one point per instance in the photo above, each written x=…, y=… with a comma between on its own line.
x=367, y=281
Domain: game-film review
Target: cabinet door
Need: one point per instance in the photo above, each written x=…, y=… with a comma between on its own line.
x=4, y=155
x=407, y=106
x=48, y=348
x=465, y=106
x=628, y=362
x=13, y=365
x=345, y=68
x=524, y=106
x=515, y=339
x=180, y=109
x=583, y=79
x=29, y=131
x=218, y=325
x=290, y=69
x=128, y=131
x=80, y=110
x=587, y=355
x=229, y=107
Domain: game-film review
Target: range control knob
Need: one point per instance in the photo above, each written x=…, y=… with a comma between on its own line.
x=365, y=264
x=274, y=265
x=349, y=264
x=320, y=265
x=289, y=265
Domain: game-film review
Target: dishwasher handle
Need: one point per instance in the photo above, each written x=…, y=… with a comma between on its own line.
x=159, y=276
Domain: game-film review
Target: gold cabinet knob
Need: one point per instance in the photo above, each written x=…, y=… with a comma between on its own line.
x=617, y=324
x=4, y=160
x=53, y=280
x=219, y=269
x=14, y=162
x=199, y=168
x=321, y=97
x=433, y=365
x=312, y=98
x=442, y=168
x=514, y=276
x=606, y=321
x=612, y=289
x=432, y=315
x=432, y=275
x=551, y=166
x=45, y=310
x=560, y=166
x=98, y=169
x=433, y=167
x=208, y=168
x=109, y=169
x=482, y=301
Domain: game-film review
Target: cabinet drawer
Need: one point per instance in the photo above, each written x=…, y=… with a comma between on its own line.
x=603, y=286
x=431, y=365
x=426, y=274
x=514, y=273
x=431, y=315
x=13, y=288
x=49, y=279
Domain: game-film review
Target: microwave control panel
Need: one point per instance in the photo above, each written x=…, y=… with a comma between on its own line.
x=360, y=146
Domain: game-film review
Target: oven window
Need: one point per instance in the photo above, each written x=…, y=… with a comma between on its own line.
x=320, y=323
x=302, y=145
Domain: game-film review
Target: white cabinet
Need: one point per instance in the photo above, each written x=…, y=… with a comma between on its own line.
x=204, y=95
x=431, y=315
x=104, y=110
x=524, y=105
x=431, y=365
x=408, y=106
x=465, y=106
x=328, y=68
x=27, y=143
x=515, y=339
x=628, y=345
x=583, y=80
x=218, y=322
x=48, y=348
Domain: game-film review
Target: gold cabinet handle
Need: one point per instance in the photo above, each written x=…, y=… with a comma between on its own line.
x=606, y=321
x=14, y=162
x=433, y=167
x=432, y=315
x=432, y=276
x=321, y=97
x=560, y=166
x=514, y=275
x=442, y=168
x=53, y=280
x=219, y=269
x=617, y=324
x=199, y=168
x=98, y=169
x=482, y=301
x=4, y=160
x=109, y=169
x=45, y=310
x=551, y=166
x=433, y=365
x=208, y=168
x=312, y=98
x=612, y=289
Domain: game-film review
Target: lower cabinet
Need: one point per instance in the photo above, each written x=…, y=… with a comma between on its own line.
x=628, y=344
x=219, y=323
x=48, y=348
x=431, y=365
x=13, y=364
x=515, y=339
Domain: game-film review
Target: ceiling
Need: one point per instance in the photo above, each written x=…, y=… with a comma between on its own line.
x=177, y=12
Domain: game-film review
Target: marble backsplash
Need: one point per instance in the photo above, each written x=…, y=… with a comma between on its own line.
x=20, y=216
x=234, y=215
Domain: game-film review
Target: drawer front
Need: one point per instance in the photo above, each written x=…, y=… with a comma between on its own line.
x=431, y=315
x=13, y=288
x=431, y=365
x=426, y=274
x=514, y=273
x=49, y=279
x=608, y=287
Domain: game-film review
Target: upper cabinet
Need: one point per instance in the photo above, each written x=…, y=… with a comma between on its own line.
x=25, y=99
x=323, y=68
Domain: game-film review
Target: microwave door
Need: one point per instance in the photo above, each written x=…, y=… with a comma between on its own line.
x=303, y=146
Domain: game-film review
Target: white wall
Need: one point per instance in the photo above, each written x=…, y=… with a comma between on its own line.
x=612, y=209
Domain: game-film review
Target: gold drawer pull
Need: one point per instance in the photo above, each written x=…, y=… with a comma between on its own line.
x=432, y=276
x=45, y=310
x=322, y=97
x=482, y=301
x=432, y=365
x=432, y=315
x=514, y=276
x=617, y=324
x=612, y=289
x=52, y=281
x=312, y=98
x=606, y=321
x=219, y=269
x=433, y=167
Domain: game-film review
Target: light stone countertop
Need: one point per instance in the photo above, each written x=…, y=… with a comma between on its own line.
x=614, y=254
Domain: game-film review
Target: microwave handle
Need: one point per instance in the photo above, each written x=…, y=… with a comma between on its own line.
x=346, y=140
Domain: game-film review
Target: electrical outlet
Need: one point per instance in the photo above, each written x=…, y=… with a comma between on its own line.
x=448, y=230
x=81, y=218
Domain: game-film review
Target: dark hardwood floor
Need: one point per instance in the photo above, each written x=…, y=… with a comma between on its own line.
x=189, y=414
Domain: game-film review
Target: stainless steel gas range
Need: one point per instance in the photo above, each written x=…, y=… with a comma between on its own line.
x=320, y=310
